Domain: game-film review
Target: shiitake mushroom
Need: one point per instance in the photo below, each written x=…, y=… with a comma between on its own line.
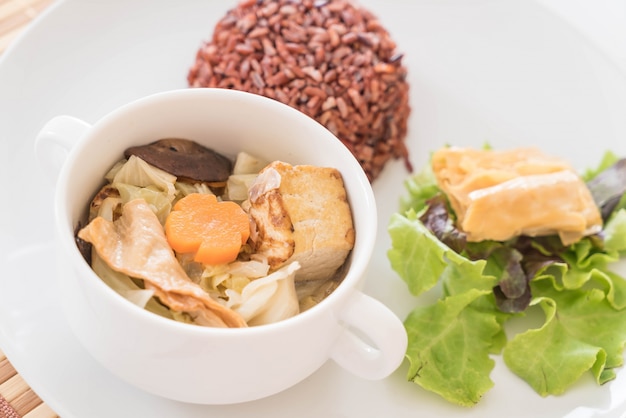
x=185, y=159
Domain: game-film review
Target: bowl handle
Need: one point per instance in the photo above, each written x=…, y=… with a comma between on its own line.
x=55, y=140
x=374, y=341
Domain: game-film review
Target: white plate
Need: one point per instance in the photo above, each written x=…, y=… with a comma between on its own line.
x=508, y=73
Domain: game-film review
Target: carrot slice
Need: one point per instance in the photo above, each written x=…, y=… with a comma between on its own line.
x=214, y=231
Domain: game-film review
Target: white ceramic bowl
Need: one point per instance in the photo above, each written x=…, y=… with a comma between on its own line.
x=199, y=364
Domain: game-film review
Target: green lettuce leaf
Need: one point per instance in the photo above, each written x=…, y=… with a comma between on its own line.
x=583, y=331
x=421, y=260
x=445, y=337
x=485, y=284
x=421, y=187
x=415, y=254
x=449, y=346
x=608, y=159
x=551, y=358
x=615, y=233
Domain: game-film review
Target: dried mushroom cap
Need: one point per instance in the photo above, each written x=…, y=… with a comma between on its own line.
x=184, y=159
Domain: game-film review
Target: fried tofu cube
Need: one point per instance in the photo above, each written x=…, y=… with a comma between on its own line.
x=301, y=213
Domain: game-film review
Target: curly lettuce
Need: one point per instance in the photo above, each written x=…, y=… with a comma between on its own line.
x=484, y=285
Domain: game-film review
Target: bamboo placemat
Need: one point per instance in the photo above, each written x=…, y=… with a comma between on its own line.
x=17, y=400
x=15, y=15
